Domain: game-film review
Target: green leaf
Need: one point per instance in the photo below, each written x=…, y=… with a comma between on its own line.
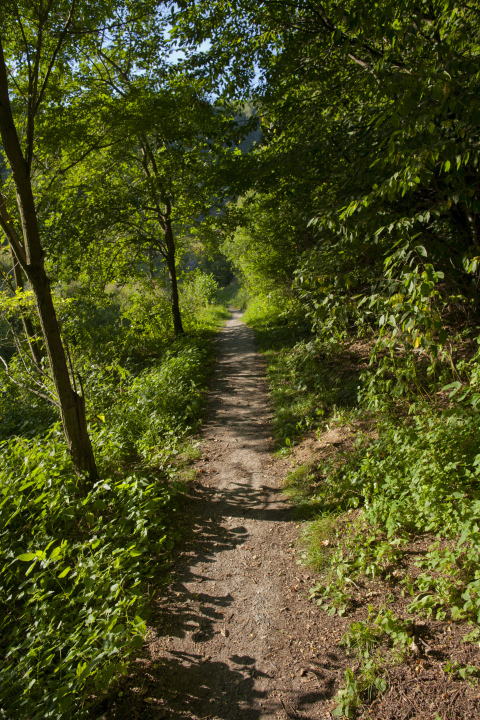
x=26, y=557
x=81, y=670
x=454, y=386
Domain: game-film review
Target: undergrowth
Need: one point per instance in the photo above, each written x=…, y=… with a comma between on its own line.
x=77, y=567
x=234, y=295
x=302, y=386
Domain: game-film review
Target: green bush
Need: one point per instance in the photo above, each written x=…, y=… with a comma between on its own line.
x=128, y=320
x=146, y=317
x=198, y=296
x=72, y=572
x=157, y=406
x=21, y=412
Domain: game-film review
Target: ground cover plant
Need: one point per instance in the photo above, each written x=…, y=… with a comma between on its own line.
x=390, y=499
x=77, y=562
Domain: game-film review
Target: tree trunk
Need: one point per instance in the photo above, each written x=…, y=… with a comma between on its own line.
x=168, y=250
x=31, y=258
x=172, y=273
x=71, y=403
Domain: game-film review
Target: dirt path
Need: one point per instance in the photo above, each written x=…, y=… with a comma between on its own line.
x=236, y=636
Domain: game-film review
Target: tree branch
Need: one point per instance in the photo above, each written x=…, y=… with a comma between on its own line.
x=54, y=55
x=27, y=387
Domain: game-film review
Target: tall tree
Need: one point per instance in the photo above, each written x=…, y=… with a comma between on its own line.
x=373, y=113
x=167, y=172
x=42, y=46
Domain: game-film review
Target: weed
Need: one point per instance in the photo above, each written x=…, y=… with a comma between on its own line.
x=332, y=596
x=465, y=672
x=366, y=639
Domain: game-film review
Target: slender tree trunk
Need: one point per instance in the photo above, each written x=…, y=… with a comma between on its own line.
x=29, y=254
x=168, y=251
x=172, y=273
x=72, y=404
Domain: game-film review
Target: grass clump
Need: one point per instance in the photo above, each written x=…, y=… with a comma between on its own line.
x=319, y=539
x=298, y=481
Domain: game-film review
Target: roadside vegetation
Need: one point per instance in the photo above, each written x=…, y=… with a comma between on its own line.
x=78, y=564
x=390, y=499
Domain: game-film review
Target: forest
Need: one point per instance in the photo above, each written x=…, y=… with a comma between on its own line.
x=312, y=163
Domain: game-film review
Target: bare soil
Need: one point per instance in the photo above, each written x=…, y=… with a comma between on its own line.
x=233, y=634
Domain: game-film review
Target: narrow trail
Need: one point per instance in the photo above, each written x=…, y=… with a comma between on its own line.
x=235, y=634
